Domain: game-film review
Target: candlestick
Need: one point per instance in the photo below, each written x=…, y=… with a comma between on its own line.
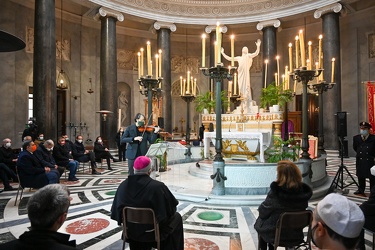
x=235, y=83
x=181, y=85
x=290, y=56
x=310, y=55
x=333, y=70
x=297, y=52
x=232, y=49
x=302, y=45
x=139, y=65
x=265, y=73
x=160, y=62
x=149, y=69
x=203, y=50
x=320, y=56
x=156, y=65
x=278, y=69
x=316, y=68
x=142, y=72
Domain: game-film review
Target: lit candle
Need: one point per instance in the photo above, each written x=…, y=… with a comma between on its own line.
x=295, y=85
x=156, y=65
x=232, y=49
x=333, y=70
x=184, y=89
x=203, y=50
x=181, y=85
x=297, y=52
x=286, y=78
x=235, y=84
x=230, y=88
x=290, y=56
x=218, y=39
x=265, y=73
x=276, y=82
x=195, y=87
x=149, y=65
x=278, y=69
x=215, y=53
x=316, y=68
x=139, y=65
x=188, y=82
x=282, y=81
x=320, y=56
x=302, y=45
x=310, y=55
x=142, y=72
x=159, y=62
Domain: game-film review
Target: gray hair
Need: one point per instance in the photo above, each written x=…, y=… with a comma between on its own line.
x=49, y=142
x=47, y=205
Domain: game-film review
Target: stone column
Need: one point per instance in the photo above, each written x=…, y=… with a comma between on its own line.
x=44, y=72
x=164, y=43
x=269, y=48
x=331, y=49
x=108, y=73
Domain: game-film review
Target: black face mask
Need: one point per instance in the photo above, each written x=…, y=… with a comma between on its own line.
x=312, y=235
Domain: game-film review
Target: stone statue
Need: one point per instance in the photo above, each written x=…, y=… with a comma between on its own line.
x=244, y=64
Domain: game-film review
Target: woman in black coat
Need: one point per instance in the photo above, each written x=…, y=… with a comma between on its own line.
x=288, y=193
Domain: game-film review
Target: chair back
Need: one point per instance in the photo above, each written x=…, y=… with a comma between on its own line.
x=144, y=216
x=294, y=221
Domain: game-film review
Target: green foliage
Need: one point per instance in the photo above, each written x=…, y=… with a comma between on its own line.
x=204, y=101
x=282, y=150
x=273, y=95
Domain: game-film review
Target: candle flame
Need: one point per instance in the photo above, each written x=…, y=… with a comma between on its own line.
x=142, y=49
x=139, y=53
x=204, y=36
x=290, y=45
x=277, y=57
x=160, y=51
x=156, y=56
x=297, y=38
x=300, y=31
x=320, y=37
x=148, y=42
x=217, y=23
x=333, y=59
x=309, y=43
x=232, y=37
x=266, y=61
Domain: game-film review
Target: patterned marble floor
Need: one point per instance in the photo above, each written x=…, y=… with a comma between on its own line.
x=206, y=227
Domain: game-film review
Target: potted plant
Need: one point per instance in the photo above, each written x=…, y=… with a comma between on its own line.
x=275, y=95
x=204, y=101
x=283, y=150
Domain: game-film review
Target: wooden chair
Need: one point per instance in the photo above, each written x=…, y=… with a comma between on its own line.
x=293, y=221
x=144, y=216
x=20, y=187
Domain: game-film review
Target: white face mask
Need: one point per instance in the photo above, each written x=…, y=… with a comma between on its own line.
x=41, y=137
x=49, y=149
x=99, y=141
x=8, y=144
x=80, y=141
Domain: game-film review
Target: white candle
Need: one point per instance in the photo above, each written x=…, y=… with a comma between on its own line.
x=142, y=72
x=235, y=83
x=282, y=81
x=203, y=50
x=181, y=86
x=215, y=53
x=295, y=84
x=302, y=45
x=149, y=70
x=316, y=68
x=265, y=73
x=139, y=65
x=184, y=88
x=333, y=70
x=160, y=62
x=230, y=88
x=320, y=55
x=276, y=82
x=150, y=73
x=188, y=82
x=310, y=55
x=297, y=52
x=195, y=87
x=232, y=49
x=290, y=56
x=278, y=69
x=218, y=39
x=286, y=78
x=156, y=65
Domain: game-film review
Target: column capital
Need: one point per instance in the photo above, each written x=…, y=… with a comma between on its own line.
x=210, y=28
x=274, y=22
x=336, y=7
x=103, y=12
x=160, y=25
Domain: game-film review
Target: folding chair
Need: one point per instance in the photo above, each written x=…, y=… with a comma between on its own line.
x=20, y=187
x=293, y=221
x=140, y=216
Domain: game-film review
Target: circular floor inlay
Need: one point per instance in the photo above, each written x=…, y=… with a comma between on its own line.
x=110, y=193
x=87, y=226
x=112, y=181
x=210, y=215
x=200, y=244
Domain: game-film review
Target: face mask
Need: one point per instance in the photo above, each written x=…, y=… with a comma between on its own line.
x=41, y=137
x=49, y=149
x=8, y=144
x=66, y=139
x=363, y=132
x=141, y=123
x=33, y=148
x=80, y=141
x=99, y=141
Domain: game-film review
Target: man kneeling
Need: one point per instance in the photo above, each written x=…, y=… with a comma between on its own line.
x=141, y=191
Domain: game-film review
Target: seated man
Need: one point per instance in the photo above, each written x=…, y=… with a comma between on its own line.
x=63, y=158
x=30, y=170
x=140, y=190
x=68, y=143
x=337, y=223
x=7, y=155
x=45, y=157
x=80, y=154
x=4, y=172
x=102, y=152
x=47, y=210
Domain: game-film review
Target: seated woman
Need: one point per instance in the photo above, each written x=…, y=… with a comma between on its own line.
x=288, y=193
x=101, y=152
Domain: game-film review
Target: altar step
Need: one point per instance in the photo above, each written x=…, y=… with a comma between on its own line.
x=202, y=169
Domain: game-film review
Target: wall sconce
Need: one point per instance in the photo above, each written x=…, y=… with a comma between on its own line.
x=104, y=114
x=90, y=91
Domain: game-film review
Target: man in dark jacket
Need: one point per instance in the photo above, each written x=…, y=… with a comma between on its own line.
x=140, y=190
x=47, y=210
x=63, y=158
x=137, y=140
x=81, y=154
x=7, y=155
x=44, y=154
x=30, y=170
x=364, y=146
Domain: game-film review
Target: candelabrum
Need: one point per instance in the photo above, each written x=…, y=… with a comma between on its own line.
x=188, y=98
x=151, y=88
x=321, y=87
x=304, y=75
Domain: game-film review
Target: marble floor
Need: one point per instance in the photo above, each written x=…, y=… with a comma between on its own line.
x=207, y=226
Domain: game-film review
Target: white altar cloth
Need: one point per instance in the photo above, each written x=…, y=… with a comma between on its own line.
x=263, y=138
